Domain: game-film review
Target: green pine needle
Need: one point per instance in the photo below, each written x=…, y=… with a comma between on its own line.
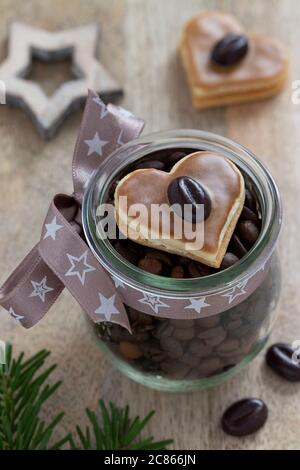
x=23, y=393
x=116, y=431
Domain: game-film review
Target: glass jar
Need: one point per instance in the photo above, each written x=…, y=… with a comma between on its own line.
x=190, y=352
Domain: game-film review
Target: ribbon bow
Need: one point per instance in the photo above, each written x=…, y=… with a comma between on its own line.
x=62, y=258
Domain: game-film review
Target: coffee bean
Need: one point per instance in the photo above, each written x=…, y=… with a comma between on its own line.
x=207, y=322
x=230, y=49
x=237, y=247
x=234, y=324
x=160, y=255
x=229, y=260
x=196, y=269
x=199, y=348
x=248, y=232
x=209, y=366
x=228, y=345
x=156, y=164
x=190, y=359
x=250, y=201
x=185, y=190
x=172, y=347
x=241, y=330
x=130, y=350
x=139, y=317
x=151, y=265
x=280, y=358
x=111, y=191
x=177, y=272
x=173, y=158
x=183, y=261
x=184, y=334
x=212, y=332
x=244, y=417
x=163, y=330
x=126, y=251
x=248, y=214
x=182, y=323
x=173, y=365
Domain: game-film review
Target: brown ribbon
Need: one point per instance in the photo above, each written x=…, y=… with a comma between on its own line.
x=62, y=258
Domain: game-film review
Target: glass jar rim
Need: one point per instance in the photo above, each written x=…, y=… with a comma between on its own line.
x=123, y=270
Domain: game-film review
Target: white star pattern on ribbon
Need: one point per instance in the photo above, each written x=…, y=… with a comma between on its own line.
x=118, y=283
x=236, y=291
x=79, y=267
x=103, y=108
x=153, y=301
x=197, y=304
x=40, y=289
x=14, y=314
x=107, y=306
x=95, y=145
x=52, y=228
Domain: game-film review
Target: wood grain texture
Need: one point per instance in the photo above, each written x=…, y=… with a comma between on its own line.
x=139, y=46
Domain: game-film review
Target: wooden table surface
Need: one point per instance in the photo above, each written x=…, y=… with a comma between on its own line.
x=139, y=45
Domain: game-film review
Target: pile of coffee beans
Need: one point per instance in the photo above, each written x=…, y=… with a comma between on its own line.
x=191, y=349
x=170, y=265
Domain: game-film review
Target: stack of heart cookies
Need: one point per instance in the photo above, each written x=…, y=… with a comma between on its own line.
x=225, y=65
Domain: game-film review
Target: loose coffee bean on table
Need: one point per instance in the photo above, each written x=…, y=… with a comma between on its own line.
x=245, y=417
x=279, y=358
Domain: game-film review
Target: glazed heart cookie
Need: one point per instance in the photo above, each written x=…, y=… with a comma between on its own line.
x=209, y=185
x=225, y=66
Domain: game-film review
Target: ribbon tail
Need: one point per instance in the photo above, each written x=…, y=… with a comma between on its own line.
x=69, y=257
x=30, y=290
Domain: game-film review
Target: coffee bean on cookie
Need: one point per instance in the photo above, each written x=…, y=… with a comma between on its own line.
x=245, y=417
x=186, y=191
x=230, y=49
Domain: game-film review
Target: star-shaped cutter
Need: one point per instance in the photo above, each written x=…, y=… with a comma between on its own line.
x=47, y=113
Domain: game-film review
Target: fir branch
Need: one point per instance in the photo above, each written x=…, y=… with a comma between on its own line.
x=23, y=392
x=115, y=431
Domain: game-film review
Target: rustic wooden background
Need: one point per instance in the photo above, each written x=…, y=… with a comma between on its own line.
x=139, y=45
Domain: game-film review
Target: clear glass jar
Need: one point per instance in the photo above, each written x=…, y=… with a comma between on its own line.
x=189, y=354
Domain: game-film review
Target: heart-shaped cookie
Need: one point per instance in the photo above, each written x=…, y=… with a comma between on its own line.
x=148, y=188
x=261, y=72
